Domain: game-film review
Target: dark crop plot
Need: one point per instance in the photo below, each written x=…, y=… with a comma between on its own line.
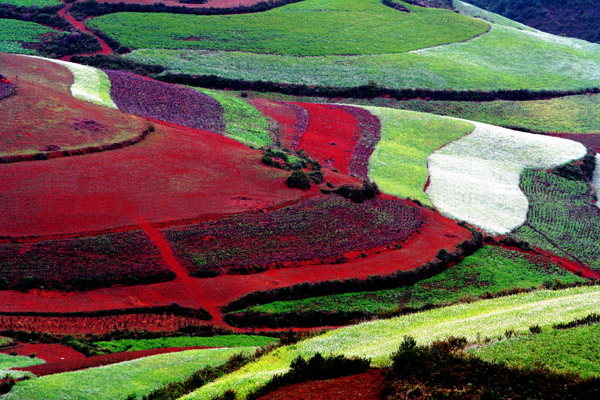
x=325, y=229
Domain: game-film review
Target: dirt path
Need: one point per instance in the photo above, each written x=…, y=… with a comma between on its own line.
x=64, y=12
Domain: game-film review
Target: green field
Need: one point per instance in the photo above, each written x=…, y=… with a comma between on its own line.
x=519, y=60
x=562, y=217
x=377, y=340
x=243, y=122
x=116, y=346
x=307, y=28
x=490, y=269
x=570, y=350
x=32, y=3
x=13, y=33
x=118, y=381
x=398, y=164
x=8, y=361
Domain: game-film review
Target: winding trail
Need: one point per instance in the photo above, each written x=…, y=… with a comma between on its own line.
x=64, y=12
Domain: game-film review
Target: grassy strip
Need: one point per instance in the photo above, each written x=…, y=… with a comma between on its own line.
x=243, y=122
x=8, y=361
x=489, y=270
x=398, y=164
x=185, y=341
x=375, y=29
x=14, y=33
x=118, y=381
x=569, y=350
x=32, y=3
x=377, y=340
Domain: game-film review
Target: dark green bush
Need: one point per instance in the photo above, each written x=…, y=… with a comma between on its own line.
x=298, y=180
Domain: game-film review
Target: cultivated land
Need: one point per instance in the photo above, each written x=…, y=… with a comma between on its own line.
x=14, y=34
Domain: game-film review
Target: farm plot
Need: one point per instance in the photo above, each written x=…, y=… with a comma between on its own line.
x=520, y=60
x=243, y=122
x=171, y=103
x=115, y=346
x=175, y=174
x=562, y=218
x=398, y=164
x=32, y=3
x=44, y=117
x=476, y=178
x=591, y=140
x=18, y=36
x=118, y=381
x=8, y=361
x=49, y=352
x=292, y=120
x=490, y=269
x=375, y=29
x=569, y=350
x=82, y=263
x=321, y=230
x=377, y=340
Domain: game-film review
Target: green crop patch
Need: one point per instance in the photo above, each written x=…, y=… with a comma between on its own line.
x=490, y=269
x=311, y=27
x=243, y=122
x=562, y=217
x=116, y=346
x=14, y=34
x=32, y=3
x=7, y=361
x=570, y=350
x=117, y=381
x=398, y=164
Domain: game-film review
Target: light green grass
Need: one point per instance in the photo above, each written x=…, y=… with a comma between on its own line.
x=32, y=3
x=118, y=381
x=184, y=341
x=243, y=122
x=14, y=33
x=489, y=269
x=570, y=350
x=398, y=164
x=377, y=340
x=8, y=361
x=504, y=58
x=4, y=340
x=310, y=27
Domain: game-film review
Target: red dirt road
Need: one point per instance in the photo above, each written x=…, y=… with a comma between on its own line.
x=176, y=173
x=64, y=12
x=213, y=293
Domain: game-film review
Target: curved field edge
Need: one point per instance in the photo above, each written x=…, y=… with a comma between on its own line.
x=115, y=346
x=90, y=84
x=118, y=381
x=565, y=350
x=476, y=178
x=377, y=340
x=15, y=35
x=375, y=28
x=520, y=60
x=490, y=269
x=398, y=163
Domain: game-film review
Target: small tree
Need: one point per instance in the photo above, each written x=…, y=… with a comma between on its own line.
x=299, y=180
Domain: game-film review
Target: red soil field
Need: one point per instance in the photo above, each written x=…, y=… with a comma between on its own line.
x=365, y=386
x=292, y=120
x=49, y=352
x=175, y=174
x=331, y=135
x=44, y=116
x=98, y=361
x=176, y=3
x=212, y=293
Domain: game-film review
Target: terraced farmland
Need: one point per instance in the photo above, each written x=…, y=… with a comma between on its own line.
x=310, y=27
x=14, y=33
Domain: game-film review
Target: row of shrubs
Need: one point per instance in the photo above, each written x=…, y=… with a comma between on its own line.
x=370, y=90
x=117, y=63
x=42, y=15
x=299, y=291
x=91, y=8
x=46, y=155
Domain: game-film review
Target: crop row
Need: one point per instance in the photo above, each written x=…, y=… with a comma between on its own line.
x=291, y=119
x=562, y=217
x=149, y=98
x=476, y=178
x=82, y=263
x=14, y=33
x=7, y=89
x=324, y=229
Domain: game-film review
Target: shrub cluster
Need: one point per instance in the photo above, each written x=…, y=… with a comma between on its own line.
x=368, y=91
x=60, y=44
x=42, y=15
x=118, y=63
x=439, y=371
